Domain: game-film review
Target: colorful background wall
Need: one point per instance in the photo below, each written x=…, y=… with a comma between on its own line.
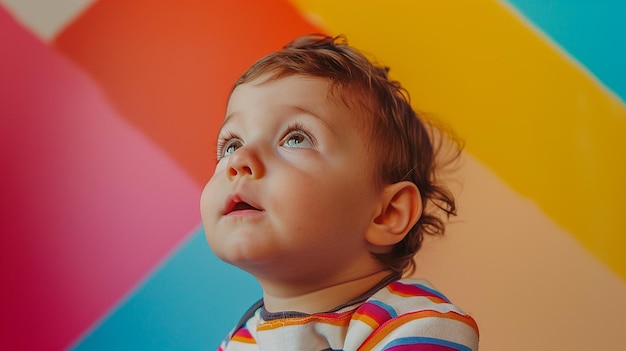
x=109, y=110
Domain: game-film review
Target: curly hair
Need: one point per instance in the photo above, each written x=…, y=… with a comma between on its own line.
x=402, y=142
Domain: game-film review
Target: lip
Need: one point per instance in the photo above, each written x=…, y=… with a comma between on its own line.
x=238, y=205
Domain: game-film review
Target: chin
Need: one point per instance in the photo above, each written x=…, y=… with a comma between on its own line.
x=245, y=258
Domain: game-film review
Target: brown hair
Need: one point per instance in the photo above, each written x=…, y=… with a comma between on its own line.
x=403, y=144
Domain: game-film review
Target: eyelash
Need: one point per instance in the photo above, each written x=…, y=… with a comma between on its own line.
x=295, y=127
x=222, y=141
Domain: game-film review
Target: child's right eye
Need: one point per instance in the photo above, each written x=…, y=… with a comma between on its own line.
x=228, y=147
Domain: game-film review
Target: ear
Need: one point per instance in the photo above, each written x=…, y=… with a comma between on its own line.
x=400, y=208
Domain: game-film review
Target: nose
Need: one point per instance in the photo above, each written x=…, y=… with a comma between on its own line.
x=245, y=162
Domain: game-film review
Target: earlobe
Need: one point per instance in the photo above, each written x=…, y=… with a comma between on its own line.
x=400, y=208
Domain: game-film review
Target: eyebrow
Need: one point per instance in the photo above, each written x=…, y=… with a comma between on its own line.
x=288, y=107
x=227, y=118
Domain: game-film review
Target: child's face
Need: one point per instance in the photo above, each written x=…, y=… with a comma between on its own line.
x=293, y=193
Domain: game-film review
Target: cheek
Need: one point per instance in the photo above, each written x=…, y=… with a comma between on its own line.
x=209, y=200
x=209, y=212
x=330, y=202
x=353, y=197
x=220, y=166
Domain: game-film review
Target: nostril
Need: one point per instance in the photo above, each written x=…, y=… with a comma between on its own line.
x=240, y=171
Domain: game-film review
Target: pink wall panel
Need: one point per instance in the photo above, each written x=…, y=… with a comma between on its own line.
x=88, y=203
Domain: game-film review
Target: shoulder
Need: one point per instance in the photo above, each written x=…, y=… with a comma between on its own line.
x=243, y=336
x=412, y=312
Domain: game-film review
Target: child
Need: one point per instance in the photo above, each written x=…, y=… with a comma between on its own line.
x=324, y=187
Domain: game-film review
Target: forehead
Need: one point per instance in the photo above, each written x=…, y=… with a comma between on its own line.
x=268, y=91
x=316, y=95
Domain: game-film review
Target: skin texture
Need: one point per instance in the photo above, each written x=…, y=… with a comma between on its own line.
x=292, y=200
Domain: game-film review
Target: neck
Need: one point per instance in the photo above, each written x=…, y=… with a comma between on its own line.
x=317, y=299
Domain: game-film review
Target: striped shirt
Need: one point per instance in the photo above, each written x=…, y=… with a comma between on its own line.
x=407, y=314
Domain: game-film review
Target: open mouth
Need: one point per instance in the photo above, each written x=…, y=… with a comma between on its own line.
x=240, y=206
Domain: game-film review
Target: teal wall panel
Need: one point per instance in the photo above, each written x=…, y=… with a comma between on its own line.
x=190, y=302
x=592, y=32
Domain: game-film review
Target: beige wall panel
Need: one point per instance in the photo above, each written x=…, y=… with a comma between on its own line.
x=529, y=284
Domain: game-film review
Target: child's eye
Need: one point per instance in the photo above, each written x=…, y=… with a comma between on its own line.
x=227, y=146
x=297, y=139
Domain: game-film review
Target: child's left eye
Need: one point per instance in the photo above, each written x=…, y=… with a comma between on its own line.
x=297, y=139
